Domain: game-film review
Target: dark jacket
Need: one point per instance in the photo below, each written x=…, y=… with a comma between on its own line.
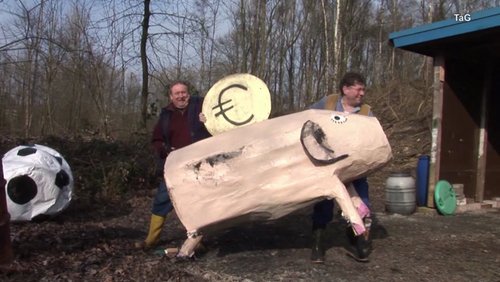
x=197, y=131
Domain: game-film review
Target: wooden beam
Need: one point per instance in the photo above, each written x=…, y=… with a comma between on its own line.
x=483, y=137
x=439, y=74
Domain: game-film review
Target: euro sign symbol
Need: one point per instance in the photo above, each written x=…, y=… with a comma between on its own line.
x=224, y=110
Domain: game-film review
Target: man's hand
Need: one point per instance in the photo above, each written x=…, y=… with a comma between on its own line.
x=202, y=117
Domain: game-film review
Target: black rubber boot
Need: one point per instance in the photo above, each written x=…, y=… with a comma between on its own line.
x=318, y=248
x=360, y=245
x=360, y=249
x=349, y=233
x=352, y=238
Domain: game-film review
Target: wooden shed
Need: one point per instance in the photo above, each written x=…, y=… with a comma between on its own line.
x=466, y=110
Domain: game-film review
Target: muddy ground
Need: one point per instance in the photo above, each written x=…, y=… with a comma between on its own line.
x=93, y=241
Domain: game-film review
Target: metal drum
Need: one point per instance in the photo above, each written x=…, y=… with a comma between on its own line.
x=400, y=194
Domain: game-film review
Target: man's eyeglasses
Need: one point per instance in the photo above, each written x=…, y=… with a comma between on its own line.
x=357, y=89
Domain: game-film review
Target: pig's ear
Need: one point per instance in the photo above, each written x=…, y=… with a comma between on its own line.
x=316, y=145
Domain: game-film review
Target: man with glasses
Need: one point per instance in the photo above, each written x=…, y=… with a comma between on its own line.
x=350, y=100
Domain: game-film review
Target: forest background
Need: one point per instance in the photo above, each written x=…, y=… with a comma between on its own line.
x=88, y=78
x=98, y=70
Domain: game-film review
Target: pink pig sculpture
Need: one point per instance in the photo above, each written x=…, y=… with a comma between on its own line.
x=269, y=169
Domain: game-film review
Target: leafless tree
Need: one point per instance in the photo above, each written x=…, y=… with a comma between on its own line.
x=68, y=67
x=144, y=62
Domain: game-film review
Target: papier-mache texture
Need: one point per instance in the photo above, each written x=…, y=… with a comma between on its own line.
x=269, y=169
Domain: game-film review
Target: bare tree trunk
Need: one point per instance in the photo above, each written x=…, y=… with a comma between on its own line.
x=291, y=75
x=428, y=61
x=144, y=63
x=242, y=37
x=33, y=66
x=395, y=26
x=379, y=64
x=212, y=45
x=258, y=38
x=337, y=44
x=291, y=58
x=262, y=41
x=52, y=70
x=329, y=71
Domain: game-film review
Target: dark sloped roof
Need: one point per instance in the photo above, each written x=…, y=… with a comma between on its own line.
x=475, y=37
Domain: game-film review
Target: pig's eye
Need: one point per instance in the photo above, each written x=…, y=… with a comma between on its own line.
x=338, y=118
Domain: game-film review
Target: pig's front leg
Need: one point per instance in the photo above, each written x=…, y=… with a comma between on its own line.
x=351, y=211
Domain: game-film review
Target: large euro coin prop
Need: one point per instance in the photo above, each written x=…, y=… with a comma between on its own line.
x=234, y=101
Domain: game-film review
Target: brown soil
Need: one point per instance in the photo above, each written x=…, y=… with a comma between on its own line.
x=93, y=239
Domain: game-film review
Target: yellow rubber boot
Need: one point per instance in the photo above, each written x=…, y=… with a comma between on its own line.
x=155, y=227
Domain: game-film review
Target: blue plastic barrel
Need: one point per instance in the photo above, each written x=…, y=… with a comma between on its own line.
x=422, y=180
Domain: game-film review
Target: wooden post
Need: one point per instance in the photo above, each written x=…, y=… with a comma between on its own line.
x=439, y=74
x=6, y=255
x=483, y=137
